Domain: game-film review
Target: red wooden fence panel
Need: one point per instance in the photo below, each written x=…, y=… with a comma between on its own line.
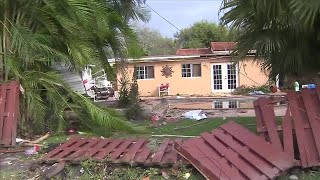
x=118, y=151
x=233, y=152
x=9, y=110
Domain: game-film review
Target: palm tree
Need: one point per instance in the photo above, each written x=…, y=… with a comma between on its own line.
x=35, y=35
x=285, y=34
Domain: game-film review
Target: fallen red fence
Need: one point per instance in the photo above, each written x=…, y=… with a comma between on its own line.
x=301, y=122
x=233, y=152
x=9, y=110
x=118, y=151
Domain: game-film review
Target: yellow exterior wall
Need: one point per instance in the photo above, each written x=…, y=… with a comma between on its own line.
x=191, y=85
x=250, y=73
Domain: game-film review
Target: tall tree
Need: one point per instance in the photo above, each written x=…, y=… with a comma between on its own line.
x=35, y=35
x=200, y=34
x=154, y=43
x=285, y=34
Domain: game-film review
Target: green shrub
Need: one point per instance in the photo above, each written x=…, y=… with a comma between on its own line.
x=242, y=90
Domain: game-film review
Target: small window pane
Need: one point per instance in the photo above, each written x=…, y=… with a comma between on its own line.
x=150, y=72
x=196, y=71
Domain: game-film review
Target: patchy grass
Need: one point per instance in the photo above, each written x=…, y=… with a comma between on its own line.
x=203, y=126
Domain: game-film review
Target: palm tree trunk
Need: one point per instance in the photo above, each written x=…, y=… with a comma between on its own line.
x=5, y=42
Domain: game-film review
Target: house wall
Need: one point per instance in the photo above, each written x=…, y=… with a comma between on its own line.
x=191, y=85
x=250, y=73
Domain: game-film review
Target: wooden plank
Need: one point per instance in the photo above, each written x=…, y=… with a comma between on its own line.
x=171, y=157
x=208, y=162
x=264, y=166
x=266, y=150
x=312, y=105
x=133, y=150
x=3, y=99
x=287, y=134
x=259, y=121
x=82, y=150
x=90, y=153
x=160, y=151
x=269, y=119
x=16, y=112
x=7, y=121
x=143, y=155
x=104, y=153
x=120, y=150
x=306, y=145
x=70, y=150
x=60, y=148
x=250, y=171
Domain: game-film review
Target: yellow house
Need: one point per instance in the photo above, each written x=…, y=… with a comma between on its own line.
x=205, y=72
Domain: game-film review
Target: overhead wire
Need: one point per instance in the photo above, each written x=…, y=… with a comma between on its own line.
x=162, y=17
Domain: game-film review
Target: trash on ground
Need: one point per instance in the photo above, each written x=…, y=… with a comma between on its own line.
x=256, y=93
x=195, y=114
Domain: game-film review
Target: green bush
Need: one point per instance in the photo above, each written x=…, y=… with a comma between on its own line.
x=242, y=90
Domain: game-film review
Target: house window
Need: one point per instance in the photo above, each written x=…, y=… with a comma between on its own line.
x=191, y=70
x=145, y=72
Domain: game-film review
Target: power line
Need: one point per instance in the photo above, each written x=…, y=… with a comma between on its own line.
x=162, y=17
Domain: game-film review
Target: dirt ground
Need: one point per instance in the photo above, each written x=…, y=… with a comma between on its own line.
x=175, y=108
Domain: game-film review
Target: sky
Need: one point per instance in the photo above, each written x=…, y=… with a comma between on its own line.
x=181, y=13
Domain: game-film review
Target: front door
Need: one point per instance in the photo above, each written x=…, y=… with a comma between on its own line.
x=224, y=77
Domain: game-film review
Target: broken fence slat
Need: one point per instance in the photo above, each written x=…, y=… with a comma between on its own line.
x=256, y=161
x=233, y=152
x=117, y=151
x=269, y=119
x=307, y=148
x=3, y=99
x=287, y=125
x=233, y=157
x=263, y=148
x=312, y=107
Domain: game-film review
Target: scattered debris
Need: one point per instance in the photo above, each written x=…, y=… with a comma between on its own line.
x=195, y=114
x=293, y=177
x=53, y=170
x=256, y=93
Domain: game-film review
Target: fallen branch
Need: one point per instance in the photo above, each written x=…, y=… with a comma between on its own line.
x=40, y=139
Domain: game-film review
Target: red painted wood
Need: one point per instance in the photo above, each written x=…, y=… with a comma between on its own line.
x=90, y=152
x=233, y=157
x=258, y=145
x=16, y=99
x=307, y=148
x=133, y=150
x=171, y=157
x=269, y=119
x=287, y=134
x=259, y=121
x=143, y=154
x=104, y=153
x=3, y=99
x=9, y=107
x=312, y=105
x=126, y=151
x=161, y=151
x=258, y=162
x=208, y=162
x=114, y=155
x=60, y=148
x=72, y=149
x=82, y=150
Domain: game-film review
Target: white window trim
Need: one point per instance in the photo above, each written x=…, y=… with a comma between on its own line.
x=191, y=70
x=144, y=74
